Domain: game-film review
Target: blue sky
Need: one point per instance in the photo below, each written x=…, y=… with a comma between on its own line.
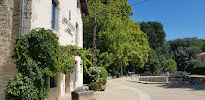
x=180, y=18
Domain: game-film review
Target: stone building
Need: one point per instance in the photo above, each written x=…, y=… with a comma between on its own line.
x=64, y=17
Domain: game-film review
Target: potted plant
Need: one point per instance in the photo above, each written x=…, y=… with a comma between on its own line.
x=102, y=84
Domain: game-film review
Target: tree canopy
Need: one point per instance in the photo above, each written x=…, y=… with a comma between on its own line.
x=185, y=51
x=155, y=33
x=120, y=41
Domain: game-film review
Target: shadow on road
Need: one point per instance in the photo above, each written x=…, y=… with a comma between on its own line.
x=189, y=86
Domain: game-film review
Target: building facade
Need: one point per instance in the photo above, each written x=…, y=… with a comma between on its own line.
x=64, y=17
x=201, y=59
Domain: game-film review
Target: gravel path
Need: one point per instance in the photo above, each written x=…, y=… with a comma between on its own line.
x=121, y=89
x=116, y=92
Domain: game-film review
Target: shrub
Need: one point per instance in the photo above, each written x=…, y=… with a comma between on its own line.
x=79, y=89
x=37, y=58
x=103, y=73
x=118, y=75
x=93, y=86
x=21, y=88
x=171, y=66
x=103, y=81
x=93, y=74
x=86, y=89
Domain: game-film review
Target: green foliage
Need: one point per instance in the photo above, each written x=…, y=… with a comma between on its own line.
x=37, y=58
x=38, y=48
x=153, y=63
x=79, y=89
x=155, y=33
x=120, y=42
x=171, y=66
x=198, y=70
x=67, y=58
x=103, y=72
x=94, y=73
x=86, y=89
x=93, y=86
x=103, y=81
x=185, y=51
x=21, y=87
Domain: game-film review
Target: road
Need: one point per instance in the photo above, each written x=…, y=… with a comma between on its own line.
x=121, y=89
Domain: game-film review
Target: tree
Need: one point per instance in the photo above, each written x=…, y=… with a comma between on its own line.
x=185, y=51
x=120, y=39
x=153, y=62
x=155, y=33
x=171, y=66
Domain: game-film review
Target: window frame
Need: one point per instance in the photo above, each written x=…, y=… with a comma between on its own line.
x=76, y=34
x=75, y=74
x=54, y=15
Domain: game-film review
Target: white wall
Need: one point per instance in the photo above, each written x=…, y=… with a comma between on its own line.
x=41, y=18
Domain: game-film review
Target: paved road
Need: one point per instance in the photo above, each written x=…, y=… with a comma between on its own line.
x=121, y=89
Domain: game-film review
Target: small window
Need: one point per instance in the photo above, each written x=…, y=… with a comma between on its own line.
x=52, y=82
x=69, y=14
x=78, y=4
x=76, y=72
x=54, y=14
x=76, y=35
x=202, y=59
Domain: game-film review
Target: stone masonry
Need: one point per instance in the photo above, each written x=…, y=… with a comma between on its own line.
x=7, y=68
x=10, y=22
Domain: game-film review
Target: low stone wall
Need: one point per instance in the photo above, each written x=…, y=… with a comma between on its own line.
x=150, y=78
x=153, y=78
x=88, y=95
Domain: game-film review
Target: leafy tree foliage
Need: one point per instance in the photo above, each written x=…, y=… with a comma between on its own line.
x=120, y=41
x=185, y=51
x=155, y=33
x=171, y=66
x=153, y=63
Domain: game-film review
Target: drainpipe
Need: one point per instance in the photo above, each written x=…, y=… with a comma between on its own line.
x=22, y=15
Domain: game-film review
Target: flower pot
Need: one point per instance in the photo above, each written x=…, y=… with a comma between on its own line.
x=102, y=87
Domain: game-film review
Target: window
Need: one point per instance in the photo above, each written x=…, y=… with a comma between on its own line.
x=52, y=82
x=76, y=35
x=202, y=59
x=75, y=71
x=54, y=14
x=69, y=14
x=78, y=4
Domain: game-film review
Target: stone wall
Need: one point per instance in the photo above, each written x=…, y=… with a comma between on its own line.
x=7, y=68
x=10, y=22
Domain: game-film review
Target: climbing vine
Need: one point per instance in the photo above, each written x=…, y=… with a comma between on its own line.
x=38, y=56
x=69, y=52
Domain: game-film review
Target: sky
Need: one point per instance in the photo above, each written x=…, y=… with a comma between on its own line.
x=180, y=18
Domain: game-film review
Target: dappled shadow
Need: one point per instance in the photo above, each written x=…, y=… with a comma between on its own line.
x=184, y=86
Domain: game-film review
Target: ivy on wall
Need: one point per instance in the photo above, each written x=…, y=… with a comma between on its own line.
x=38, y=56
